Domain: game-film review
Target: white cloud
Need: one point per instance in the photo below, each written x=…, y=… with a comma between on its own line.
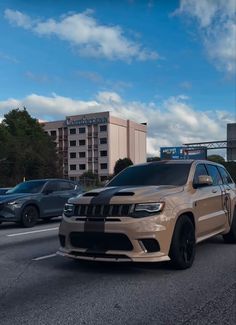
x=173, y=123
x=217, y=23
x=18, y=18
x=88, y=36
x=107, y=97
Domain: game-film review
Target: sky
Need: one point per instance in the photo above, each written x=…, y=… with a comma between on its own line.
x=170, y=63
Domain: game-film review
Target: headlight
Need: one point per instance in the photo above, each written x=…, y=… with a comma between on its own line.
x=69, y=210
x=14, y=204
x=147, y=209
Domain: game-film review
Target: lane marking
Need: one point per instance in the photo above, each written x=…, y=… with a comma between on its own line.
x=44, y=257
x=32, y=232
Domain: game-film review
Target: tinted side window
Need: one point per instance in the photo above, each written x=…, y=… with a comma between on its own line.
x=65, y=186
x=214, y=173
x=225, y=176
x=51, y=186
x=200, y=171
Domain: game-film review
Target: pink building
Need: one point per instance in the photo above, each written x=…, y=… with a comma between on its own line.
x=95, y=142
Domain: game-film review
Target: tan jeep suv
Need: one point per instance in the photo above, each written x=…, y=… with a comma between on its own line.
x=151, y=212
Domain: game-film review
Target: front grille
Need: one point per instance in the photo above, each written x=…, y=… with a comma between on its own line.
x=103, y=211
x=100, y=242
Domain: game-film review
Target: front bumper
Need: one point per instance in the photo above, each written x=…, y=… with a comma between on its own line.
x=138, y=232
x=9, y=213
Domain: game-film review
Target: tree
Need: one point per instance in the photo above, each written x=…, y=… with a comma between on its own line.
x=89, y=180
x=216, y=158
x=89, y=175
x=122, y=164
x=26, y=151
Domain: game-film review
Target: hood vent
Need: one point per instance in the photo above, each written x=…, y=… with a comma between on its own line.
x=124, y=194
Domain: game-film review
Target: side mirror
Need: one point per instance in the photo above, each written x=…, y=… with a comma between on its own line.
x=203, y=180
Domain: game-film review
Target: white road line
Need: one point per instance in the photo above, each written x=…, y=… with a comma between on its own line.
x=32, y=232
x=44, y=257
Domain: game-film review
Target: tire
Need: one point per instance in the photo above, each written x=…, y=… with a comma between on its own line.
x=230, y=238
x=29, y=216
x=183, y=244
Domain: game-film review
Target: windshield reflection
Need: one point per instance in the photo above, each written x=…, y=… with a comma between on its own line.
x=27, y=187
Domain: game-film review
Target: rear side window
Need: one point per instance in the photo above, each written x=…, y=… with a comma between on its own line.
x=200, y=171
x=51, y=186
x=65, y=186
x=214, y=173
x=225, y=176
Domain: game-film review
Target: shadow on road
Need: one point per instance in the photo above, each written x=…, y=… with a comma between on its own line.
x=13, y=225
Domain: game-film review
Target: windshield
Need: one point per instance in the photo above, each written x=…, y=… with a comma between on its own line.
x=153, y=174
x=28, y=187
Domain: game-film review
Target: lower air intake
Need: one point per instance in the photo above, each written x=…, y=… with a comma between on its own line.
x=100, y=242
x=151, y=245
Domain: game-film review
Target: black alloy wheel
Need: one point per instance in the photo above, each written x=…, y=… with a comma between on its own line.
x=29, y=216
x=183, y=245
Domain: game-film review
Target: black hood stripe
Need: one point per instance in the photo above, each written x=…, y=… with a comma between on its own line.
x=104, y=198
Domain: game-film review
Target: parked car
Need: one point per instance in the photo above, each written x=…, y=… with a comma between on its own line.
x=152, y=212
x=36, y=199
x=3, y=190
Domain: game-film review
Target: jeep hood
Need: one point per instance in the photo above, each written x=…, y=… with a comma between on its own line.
x=122, y=195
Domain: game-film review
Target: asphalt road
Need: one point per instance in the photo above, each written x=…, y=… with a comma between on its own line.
x=38, y=287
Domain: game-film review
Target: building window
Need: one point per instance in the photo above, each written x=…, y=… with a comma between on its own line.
x=103, y=166
x=81, y=130
x=82, y=166
x=72, y=131
x=72, y=143
x=103, y=128
x=73, y=155
x=103, y=140
x=103, y=153
x=82, y=154
x=53, y=133
x=72, y=167
x=82, y=142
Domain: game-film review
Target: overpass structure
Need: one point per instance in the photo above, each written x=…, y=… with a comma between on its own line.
x=229, y=144
x=209, y=144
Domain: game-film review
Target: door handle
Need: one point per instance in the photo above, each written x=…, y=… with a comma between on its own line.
x=214, y=190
